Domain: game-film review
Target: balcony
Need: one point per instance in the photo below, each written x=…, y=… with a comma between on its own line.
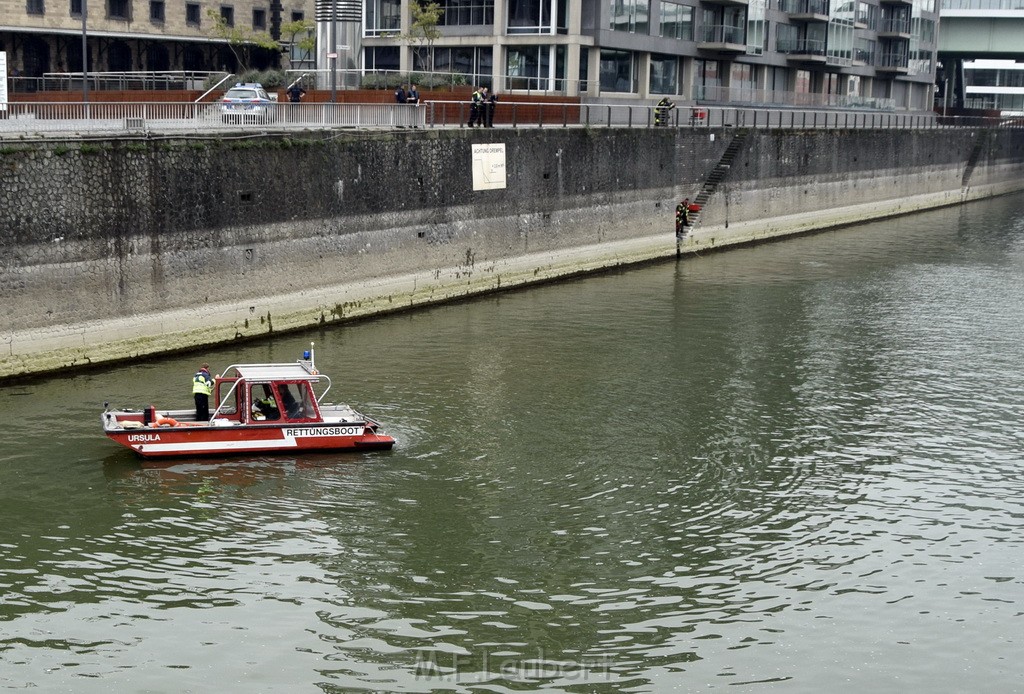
x=722, y=38
x=863, y=56
x=802, y=50
x=748, y=96
x=898, y=28
x=806, y=10
x=893, y=63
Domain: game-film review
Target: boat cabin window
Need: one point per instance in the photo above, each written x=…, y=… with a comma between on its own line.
x=271, y=402
x=296, y=400
x=264, y=404
x=227, y=409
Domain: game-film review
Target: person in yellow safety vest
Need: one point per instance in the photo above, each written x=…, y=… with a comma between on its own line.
x=202, y=386
x=475, y=106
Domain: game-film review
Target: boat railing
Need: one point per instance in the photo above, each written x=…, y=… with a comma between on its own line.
x=323, y=394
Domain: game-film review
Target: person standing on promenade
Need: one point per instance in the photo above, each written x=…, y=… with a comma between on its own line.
x=476, y=101
x=492, y=103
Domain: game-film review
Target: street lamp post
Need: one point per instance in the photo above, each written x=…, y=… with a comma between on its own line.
x=332, y=52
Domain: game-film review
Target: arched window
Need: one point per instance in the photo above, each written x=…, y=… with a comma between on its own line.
x=119, y=57
x=158, y=59
x=36, y=56
x=75, y=57
x=192, y=59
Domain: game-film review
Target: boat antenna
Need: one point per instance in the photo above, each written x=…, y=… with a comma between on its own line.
x=312, y=357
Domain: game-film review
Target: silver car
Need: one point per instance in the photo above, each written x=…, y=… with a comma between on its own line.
x=247, y=103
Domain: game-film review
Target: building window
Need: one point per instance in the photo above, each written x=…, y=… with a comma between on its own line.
x=802, y=84
x=630, y=15
x=381, y=58
x=298, y=16
x=527, y=67
x=119, y=55
x=193, y=15
x=676, y=21
x=864, y=51
x=118, y=9
x=776, y=84
x=743, y=82
x=467, y=12
x=757, y=27
x=76, y=8
x=534, y=17
x=706, y=80
x=156, y=11
x=618, y=71
x=383, y=17
x=35, y=7
x=664, y=74
x=259, y=19
x=474, y=62
x=227, y=13
x=584, y=68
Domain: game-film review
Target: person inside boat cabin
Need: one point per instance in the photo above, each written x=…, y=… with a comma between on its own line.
x=265, y=406
x=291, y=406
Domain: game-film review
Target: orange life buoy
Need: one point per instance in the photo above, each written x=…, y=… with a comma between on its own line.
x=166, y=422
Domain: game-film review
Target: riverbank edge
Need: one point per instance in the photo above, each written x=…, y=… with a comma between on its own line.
x=90, y=344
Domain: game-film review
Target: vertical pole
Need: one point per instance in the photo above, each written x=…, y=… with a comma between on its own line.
x=85, y=58
x=945, y=91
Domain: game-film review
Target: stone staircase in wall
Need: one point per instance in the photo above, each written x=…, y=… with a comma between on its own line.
x=980, y=141
x=718, y=174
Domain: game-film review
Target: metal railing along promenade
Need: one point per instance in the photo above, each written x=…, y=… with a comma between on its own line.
x=170, y=80
x=84, y=119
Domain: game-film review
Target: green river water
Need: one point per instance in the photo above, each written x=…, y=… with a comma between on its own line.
x=796, y=467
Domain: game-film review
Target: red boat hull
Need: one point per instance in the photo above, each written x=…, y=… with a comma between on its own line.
x=166, y=442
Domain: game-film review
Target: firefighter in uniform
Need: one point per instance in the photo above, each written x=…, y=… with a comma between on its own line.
x=661, y=111
x=682, y=216
x=202, y=386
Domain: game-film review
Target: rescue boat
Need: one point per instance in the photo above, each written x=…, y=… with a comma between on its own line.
x=260, y=408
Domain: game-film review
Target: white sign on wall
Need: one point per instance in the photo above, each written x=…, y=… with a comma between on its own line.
x=489, y=166
x=3, y=81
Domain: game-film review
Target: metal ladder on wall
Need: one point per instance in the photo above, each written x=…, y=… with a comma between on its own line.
x=717, y=175
x=981, y=142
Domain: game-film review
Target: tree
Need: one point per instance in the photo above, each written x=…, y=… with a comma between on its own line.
x=240, y=41
x=303, y=28
x=423, y=31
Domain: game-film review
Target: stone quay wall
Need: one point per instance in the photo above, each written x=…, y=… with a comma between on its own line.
x=121, y=248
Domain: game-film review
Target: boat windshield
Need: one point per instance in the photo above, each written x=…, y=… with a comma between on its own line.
x=296, y=400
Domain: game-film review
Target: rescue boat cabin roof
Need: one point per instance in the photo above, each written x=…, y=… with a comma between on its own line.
x=272, y=372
